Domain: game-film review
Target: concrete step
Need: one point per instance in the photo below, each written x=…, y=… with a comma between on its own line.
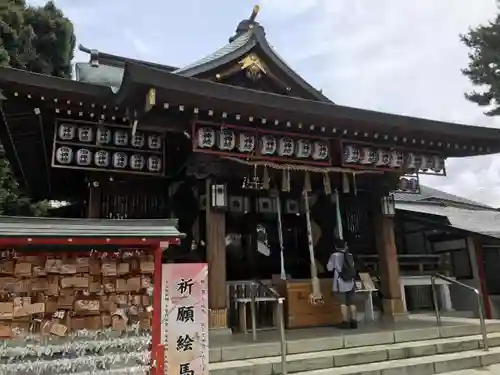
x=430, y=365
x=489, y=370
x=357, y=357
x=243, y=351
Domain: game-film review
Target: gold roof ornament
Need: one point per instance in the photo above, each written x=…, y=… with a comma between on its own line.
x=253, y=66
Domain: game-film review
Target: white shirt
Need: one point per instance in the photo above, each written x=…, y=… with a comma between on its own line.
x=335, y=264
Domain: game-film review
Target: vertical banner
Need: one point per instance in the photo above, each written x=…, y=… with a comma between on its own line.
x=185, y=318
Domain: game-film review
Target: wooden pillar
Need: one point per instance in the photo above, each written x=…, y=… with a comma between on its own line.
x=94, y=202
x=216, y=259
x=475, y=248
x=392, y=300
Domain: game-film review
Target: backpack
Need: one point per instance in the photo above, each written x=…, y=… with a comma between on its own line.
x=348, y=272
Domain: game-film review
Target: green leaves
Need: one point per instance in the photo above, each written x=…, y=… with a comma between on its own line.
x=484, y=65
x=41, y=40
x=38, y=39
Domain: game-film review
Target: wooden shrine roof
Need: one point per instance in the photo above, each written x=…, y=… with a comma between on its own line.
x=250, y=37
x=237, y=48
x=303, y=114
x=300, y=115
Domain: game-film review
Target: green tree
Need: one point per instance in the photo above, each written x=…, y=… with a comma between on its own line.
x=484, y=65
x=41, y=40
x=38, y=39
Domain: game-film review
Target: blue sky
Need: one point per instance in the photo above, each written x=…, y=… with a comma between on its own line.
x=397, y=56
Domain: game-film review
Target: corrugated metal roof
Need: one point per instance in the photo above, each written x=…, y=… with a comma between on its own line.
x=485, y=222
x=431, y=195
x=219, y=54
x=57, y=227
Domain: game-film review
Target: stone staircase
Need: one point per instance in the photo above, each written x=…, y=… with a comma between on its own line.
x=422, y=351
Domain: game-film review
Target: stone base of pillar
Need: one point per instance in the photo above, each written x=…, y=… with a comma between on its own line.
x=217, y=318
x=393, y=310
x=217, y=322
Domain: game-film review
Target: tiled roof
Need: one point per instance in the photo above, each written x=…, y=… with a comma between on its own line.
x=430, y=195
x=485, y=222
x=238, y=48
x=229, y=48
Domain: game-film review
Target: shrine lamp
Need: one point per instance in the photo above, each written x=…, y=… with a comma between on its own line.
x=218, y=196
x=388, y=205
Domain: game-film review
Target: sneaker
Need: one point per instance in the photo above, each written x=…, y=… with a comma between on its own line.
x=353, y=324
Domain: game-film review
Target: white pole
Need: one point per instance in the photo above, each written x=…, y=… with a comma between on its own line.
x=340, y=230
x=280, y=236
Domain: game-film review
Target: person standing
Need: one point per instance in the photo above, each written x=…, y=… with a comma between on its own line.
x=341, y=263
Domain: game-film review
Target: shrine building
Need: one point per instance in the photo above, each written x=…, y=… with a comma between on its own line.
x=261, y=169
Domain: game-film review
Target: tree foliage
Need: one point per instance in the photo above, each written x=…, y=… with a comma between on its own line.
x=41, y=40
x=12, y=200
x=484, y=65
x=38, y=39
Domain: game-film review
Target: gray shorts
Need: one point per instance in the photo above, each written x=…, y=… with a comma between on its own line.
x=345, y=298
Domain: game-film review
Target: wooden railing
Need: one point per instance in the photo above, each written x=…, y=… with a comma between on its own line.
x=237, y=291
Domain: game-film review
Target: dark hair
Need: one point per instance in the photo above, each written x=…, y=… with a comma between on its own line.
x=339, y=244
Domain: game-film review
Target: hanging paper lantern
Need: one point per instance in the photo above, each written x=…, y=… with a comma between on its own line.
x=64, y=155
x=437, y=163
x=413, y=161
x=154, y=141
x=286, y=147
x=383, y=158
x=121, y=138
x=103, y=136
x=83, y=157
x=246, y=143
x=426, y=162
x=206, y=138
x=351, y=154
x=120, y=160
x=304, y=149
x=367, y=156
x=268, y=145
x=137, y=162
x=101, y=158
x=154, y=164
x=85, y=134
x=138, y=140
x=66, y=132
x=396, y=159
x=226, y=140
x=320, y=150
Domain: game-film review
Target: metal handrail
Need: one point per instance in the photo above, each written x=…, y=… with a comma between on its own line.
x=480, y=303
x=281, y=320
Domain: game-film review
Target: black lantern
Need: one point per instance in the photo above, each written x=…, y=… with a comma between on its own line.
x=388, y=205
x=218, y=196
